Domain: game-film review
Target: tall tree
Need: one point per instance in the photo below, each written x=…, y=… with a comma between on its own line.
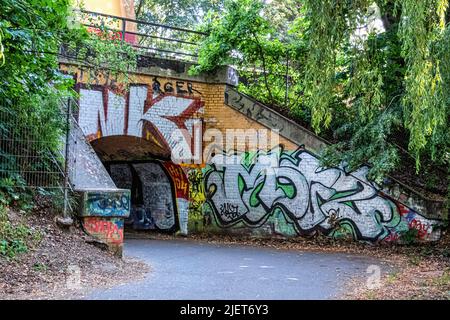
x=182, y=13
x=380, y=95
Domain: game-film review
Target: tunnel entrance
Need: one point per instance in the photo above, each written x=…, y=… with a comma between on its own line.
x=153, y=198
x=158, y=187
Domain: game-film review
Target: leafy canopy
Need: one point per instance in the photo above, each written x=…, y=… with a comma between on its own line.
x=34, y=34
x=372, y=77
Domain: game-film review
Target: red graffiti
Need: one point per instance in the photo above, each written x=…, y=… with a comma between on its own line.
x=179, y=179
x=110, y=230
x=392, y=237
x=403, y=210
x=421, y=227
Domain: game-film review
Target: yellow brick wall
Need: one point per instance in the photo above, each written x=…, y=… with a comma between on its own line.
x=222, y=117
x=217, y=115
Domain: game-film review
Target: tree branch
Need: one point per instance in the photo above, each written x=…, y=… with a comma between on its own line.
x=266, y=83
x=139, y=8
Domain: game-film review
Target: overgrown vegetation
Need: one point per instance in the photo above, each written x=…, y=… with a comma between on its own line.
x=14, y=238
x=33, y=35
x=372, y=77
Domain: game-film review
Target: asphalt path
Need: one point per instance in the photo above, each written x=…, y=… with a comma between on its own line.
x=192, y=270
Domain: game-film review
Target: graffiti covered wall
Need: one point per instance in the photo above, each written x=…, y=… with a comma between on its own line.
x=289, y=194
x=250, y=189
x=197, y=198
x=181, y=184
x=157, y=202
x=169, y=114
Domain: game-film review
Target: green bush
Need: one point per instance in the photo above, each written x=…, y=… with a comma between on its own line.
x=13, y=192
x=14, y=238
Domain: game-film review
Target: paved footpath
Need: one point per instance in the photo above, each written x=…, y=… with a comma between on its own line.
x=187, y=269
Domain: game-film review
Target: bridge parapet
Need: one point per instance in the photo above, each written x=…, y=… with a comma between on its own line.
x=151, y=39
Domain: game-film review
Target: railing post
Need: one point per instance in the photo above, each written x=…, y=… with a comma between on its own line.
x=124, y=29
x=286, y=94
x=66, y=160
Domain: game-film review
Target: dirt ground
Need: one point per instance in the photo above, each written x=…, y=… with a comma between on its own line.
x=422, y=271
x=63, y=264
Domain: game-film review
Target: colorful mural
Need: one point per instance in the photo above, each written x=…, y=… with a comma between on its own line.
x=102, y=216
x=290, y=194
x=112, y=204
x=154, y=204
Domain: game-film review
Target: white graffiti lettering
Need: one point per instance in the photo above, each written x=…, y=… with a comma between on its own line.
x=248, y=188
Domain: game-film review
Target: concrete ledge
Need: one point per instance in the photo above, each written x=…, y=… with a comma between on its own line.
x=272, y=119
x=102, y=214
x=160, y=67
x=432, y=209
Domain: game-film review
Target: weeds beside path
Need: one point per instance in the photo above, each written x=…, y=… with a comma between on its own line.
x=59, y=264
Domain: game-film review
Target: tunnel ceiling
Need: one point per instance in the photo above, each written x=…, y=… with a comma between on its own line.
x=128, y=148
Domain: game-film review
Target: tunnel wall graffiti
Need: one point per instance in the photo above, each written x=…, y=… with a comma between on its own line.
x=159, y=194
x=288, y=193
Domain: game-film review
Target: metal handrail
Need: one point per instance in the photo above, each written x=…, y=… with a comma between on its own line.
x=164, y=48
x=143, y=34
x=143, y=22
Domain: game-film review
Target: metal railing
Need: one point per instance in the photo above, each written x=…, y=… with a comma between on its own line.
x=29, y=158
x=147, y=38
x=23, y=153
